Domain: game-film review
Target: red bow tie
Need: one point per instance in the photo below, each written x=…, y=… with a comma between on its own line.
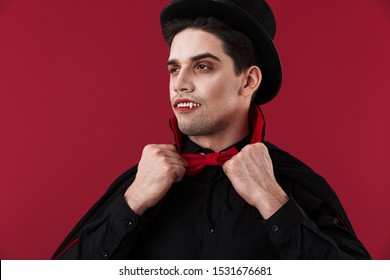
x=196, y=162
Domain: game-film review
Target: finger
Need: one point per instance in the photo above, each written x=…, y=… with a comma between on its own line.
x=179, y=172
x=162, y=150
x=176, y=161
x=226, y=166
x=168, y=147
x=158, y=149
x=175, y=155
x=254, y=153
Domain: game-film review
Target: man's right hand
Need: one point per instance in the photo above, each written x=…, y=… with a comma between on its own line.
x=160, y=166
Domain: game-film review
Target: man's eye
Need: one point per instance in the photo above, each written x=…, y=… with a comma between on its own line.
x=203, y=66
x=173, y=69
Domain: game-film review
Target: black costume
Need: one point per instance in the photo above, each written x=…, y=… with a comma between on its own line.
x=203, y=217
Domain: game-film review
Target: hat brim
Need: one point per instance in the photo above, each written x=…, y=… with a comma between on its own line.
x=243, y=22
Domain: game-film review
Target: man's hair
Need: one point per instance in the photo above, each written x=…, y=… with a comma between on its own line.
x=235, y=44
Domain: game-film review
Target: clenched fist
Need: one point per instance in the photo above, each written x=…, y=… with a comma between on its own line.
x=252, y=176
x=160, y=166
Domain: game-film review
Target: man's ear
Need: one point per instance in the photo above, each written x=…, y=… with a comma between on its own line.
x=252, y=80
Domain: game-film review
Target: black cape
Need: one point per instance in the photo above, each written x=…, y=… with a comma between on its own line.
x=286, y=168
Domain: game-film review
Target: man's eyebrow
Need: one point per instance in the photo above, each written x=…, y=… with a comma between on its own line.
x=195, y=58
x=205, y=55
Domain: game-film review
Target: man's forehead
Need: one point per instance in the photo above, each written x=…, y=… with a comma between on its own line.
x=193, y=44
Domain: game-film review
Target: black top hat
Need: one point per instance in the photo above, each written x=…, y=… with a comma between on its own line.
x=253, y=18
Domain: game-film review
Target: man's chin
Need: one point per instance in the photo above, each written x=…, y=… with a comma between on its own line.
x=189, y=129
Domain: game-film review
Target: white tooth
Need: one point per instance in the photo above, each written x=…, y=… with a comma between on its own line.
x=188, y=104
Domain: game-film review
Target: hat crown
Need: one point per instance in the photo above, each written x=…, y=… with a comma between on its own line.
x=257, y=9
x=260, y=11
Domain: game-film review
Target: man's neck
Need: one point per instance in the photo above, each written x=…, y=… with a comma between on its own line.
x=220, y=142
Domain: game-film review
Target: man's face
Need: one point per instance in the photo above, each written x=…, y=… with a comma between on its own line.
x=204, y=89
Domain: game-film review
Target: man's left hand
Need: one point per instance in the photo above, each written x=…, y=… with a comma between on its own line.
x=252, y=176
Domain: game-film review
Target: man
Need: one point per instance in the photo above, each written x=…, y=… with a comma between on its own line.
x=222, y=192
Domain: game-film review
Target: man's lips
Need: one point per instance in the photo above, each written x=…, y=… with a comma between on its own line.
x=185, y=104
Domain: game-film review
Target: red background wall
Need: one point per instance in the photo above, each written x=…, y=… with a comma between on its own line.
x=83, y=88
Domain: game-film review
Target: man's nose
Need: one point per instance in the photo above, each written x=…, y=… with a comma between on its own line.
x=183, y=81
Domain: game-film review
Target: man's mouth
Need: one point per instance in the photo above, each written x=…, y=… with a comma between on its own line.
x=187, y=105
